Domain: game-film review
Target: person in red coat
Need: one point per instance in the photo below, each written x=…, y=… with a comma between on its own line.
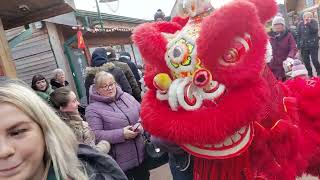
x=283, y=47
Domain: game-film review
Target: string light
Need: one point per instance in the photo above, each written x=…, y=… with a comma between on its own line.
x=96, y=30
x=116, y=29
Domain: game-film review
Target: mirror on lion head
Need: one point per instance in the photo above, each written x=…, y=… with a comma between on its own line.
x=191, y=8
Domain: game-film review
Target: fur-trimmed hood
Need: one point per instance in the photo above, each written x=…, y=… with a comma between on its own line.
x=94, y=70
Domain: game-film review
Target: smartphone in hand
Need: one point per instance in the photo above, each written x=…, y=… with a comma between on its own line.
x=136, y=126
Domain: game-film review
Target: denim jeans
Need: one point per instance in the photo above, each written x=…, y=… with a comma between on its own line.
x=181, y=166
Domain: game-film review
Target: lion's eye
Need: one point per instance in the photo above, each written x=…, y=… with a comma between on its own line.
x=231, y=56
x=238, y=49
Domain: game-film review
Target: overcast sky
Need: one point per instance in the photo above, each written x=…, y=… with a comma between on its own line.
x=142, y=9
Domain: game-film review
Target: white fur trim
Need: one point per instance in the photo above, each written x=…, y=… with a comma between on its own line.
x=182, y=102
x=215, y=94
x=299, y=73
x=243, y=42
x=268, y=55
x=173, y=99
x=161, y=96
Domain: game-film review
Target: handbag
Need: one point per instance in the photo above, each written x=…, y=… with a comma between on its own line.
x=154, y=156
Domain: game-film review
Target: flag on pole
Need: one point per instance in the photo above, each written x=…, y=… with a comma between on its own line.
x=81, y=44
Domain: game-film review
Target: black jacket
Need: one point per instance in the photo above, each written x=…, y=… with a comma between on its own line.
x=99, y=57
x=295, y=34
x=136, y=90
x=126, y=58
x=99, y=166
x=56, y=85
x=308, y=35
x=110, y=68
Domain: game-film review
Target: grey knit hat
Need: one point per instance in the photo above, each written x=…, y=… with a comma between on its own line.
x=278, y=20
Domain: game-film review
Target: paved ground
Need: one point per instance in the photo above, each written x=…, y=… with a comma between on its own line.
x=163, y=173
x=308, y=178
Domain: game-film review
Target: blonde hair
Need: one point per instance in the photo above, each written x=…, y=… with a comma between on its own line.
x=101, y=76
x=61, y=143
x=56, y=72
x=307, y=14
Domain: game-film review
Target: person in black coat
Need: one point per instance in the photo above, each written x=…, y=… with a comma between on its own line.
x=309, y=42
x=59, y=79
x=126, y=58
x=99, y=166
x=159, y=15
x=100, y=63
x=112, y=57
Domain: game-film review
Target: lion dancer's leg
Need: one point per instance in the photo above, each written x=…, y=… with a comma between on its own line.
x=237, y=168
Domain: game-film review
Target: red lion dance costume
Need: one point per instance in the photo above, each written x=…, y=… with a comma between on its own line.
x=211, y=93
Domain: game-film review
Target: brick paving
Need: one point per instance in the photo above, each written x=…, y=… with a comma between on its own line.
x=308, y=178
x=163, y=173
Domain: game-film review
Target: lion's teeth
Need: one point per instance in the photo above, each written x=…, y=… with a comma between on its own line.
x=208, y=146
x=227, y=142
x=242, y=130
x=218, y=145
x=236, y=137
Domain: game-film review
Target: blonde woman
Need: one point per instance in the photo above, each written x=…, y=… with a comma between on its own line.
x=35, y=144
x=114, y=116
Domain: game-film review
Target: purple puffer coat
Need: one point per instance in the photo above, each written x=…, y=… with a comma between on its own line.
x=283, y=46
x=107, y=118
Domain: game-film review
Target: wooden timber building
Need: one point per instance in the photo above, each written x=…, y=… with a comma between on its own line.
x=18, y=13
x=42, y=46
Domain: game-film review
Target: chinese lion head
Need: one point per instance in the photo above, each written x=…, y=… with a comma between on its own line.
x=211, y=92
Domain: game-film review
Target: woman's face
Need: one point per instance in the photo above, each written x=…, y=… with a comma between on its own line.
x=61, y=77
x=107, y=87
x=41, y=85
x=278, y=28
x=72, y=105
x=22, y=145
x=307, y=17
